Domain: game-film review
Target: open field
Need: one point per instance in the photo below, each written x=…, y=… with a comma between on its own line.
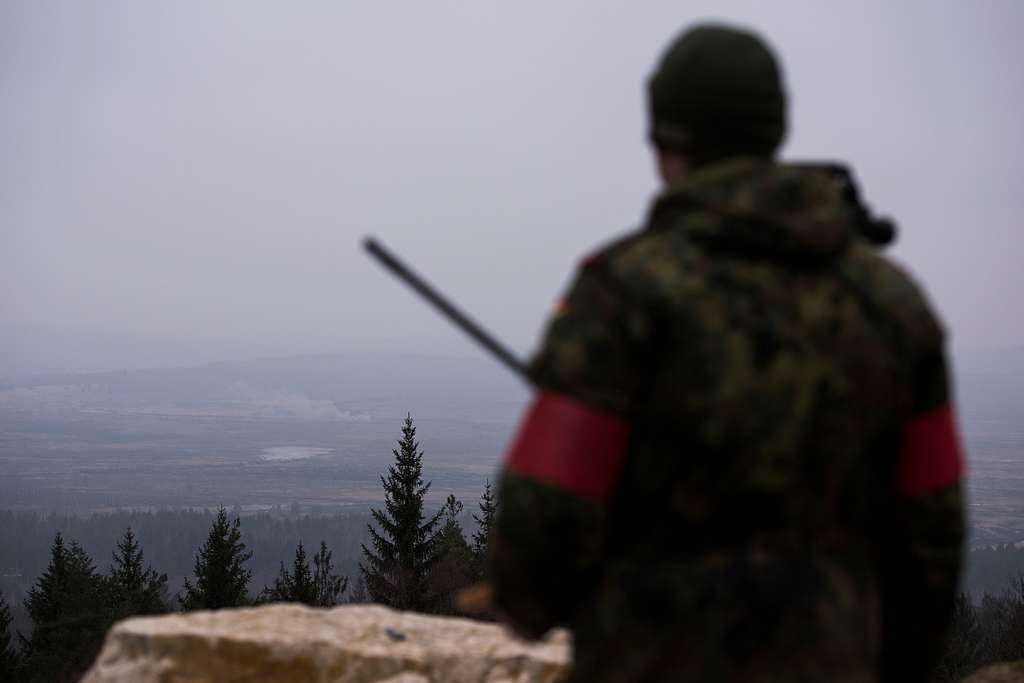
x=318, y=432
x=308, y=431
x=96, y=460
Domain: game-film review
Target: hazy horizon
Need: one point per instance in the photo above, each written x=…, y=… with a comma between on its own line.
x=199, y=171
x=40, y=350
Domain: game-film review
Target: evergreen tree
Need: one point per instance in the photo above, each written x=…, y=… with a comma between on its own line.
x=964, y=649
x=318, y=588
x=294, y=586
x=396, y=570
x=1012, y=643
x=132, y=587
x=69, y=617
x=329, y=586
x=10, y=659
x=485, y=523
x=221, y=579
x=454, y=568
x=358, y=595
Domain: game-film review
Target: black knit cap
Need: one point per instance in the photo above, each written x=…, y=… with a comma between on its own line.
x=718, y=92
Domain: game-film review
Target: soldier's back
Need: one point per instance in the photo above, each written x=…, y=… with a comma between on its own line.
x=766, y=413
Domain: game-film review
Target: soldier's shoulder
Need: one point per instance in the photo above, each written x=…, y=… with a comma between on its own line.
x=607, y=255
x=641, y=260
x=895, y=293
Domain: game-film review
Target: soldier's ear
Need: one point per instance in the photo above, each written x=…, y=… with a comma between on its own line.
x=672, y=165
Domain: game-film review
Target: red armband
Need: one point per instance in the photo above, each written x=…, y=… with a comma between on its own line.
x=930, y=458
x=570, y=445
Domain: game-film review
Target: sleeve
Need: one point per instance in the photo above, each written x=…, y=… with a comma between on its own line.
x=922, y=550
x=563, y=464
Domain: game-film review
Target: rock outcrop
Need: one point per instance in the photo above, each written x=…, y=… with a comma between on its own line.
x=351, y=644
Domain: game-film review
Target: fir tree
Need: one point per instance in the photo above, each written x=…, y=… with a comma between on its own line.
x=358, y=594
x=221, y=579
x=329, y=586
x=485, y=523
x=294, y=586
x=1012, y=645
x=69, y=617
x=396, y=570
x=134, y=588
x=964, y=643
x=454, y=568
x=10, y=659
x=318, y=588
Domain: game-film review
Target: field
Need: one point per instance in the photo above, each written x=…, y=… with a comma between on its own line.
x=317, y=433
x=94, y=460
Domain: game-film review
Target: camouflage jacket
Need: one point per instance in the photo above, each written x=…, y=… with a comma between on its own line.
x=741, y=464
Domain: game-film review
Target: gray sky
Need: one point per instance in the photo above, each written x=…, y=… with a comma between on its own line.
x=207, y=169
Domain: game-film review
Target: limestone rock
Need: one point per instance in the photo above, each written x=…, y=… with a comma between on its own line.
x=999, y=673
x=350, y=644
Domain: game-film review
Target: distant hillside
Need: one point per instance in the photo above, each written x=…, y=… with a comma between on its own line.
x=342, y=378
x=56, y=349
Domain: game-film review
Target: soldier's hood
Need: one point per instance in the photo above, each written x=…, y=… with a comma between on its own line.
x=759, y=208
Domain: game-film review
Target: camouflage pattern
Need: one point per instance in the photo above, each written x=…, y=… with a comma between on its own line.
x=767, y=360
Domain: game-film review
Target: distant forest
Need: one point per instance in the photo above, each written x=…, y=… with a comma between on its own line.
x=170, y=539
x=65, y=579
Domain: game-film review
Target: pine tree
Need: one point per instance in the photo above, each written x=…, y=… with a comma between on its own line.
x=133, y=588
x=1012, y=646
x=280, y=590
x=69, y=617
x=963, y=645
x=358, y=594
x=220, y=574
x=10, y=659
x=454, y=568
x=485, y=523
x=294, y=586
x=329, y=586
x=396, y=570
x=318, y=588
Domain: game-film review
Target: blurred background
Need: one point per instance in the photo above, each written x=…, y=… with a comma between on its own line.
x=187, y=182
x=186, y=316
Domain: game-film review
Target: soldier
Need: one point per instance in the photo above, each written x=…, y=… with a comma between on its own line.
x=741, y=462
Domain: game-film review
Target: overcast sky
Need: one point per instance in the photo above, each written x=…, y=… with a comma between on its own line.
x=208, y=168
